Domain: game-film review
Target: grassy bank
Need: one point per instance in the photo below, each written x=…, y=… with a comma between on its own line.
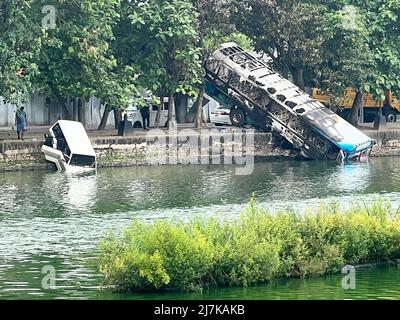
x=251, y=249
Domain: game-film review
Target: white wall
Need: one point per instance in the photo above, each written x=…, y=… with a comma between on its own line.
x=39, y=114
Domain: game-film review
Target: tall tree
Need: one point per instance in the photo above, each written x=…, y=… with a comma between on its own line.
x=383, y=18
x=347, y=60
x=290, y=32
x=164, y=37
x=20, y=43
x=76, y=60
x=213, y=25
x=363, y=51
x=117, y=91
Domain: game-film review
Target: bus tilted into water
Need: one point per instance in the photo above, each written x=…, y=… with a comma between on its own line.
x=248, y=86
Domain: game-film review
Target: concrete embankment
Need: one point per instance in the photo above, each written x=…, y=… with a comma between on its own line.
x=216, y=146
x=156, y=148
x=387, y=142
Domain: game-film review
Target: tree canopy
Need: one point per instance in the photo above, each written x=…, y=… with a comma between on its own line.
x=20, y=43
x=113, y=48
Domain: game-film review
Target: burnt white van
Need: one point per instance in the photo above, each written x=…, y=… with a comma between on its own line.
x=68, y=146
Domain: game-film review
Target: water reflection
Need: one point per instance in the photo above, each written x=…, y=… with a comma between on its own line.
x=351, y=177
x=371, y=283
x=74, y=192
x=7, y=197
x=82, y=191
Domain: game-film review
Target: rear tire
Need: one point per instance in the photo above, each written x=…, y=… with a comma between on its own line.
x=238, y=117
x=391, y=116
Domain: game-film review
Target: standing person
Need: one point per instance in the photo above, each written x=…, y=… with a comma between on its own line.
x=20, y=122
x=145, y=112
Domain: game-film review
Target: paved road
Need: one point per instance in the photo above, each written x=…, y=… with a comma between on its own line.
x=35, y=133
x=38, y=132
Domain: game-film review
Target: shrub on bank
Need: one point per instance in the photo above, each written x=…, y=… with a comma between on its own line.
x=254, y=248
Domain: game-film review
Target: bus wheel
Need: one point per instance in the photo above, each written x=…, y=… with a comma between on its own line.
x=238, y=117
x=391, y=116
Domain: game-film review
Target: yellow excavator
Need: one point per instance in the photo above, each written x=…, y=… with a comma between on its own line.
x=390, y=107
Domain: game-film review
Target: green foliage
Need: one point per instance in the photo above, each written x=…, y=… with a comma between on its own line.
x=365, y=55
x=156, y=256
x=291, y=32
x=217, y=37
x=76, y=58
x=331, y=44
x=251, y=249
x=214, y=25
x=383, y=24
x=111, y=48
x=20, y=42
x=347, y=60
x=164, y=36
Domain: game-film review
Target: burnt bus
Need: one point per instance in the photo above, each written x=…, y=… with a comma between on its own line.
x=248, y=86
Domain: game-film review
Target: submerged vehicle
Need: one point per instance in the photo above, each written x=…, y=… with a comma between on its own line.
x=68, y=146
x=249, y=87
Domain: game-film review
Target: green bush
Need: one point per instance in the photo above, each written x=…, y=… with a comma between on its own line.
x=156, y=256
x=254, y=248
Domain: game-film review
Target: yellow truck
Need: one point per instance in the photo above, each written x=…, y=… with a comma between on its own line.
x=390, y=107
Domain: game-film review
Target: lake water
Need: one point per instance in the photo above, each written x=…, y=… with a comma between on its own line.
x=53, y=220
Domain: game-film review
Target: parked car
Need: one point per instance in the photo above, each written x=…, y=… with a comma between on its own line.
x=221, y=116
x=213, y=112
x=135, y=117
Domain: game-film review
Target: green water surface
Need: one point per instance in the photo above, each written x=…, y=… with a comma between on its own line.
x=56, y=220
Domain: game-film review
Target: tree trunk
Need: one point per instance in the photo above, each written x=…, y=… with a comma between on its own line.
x=171, y=107
x=181, y=105
x=104, y=119
x=283, y=68
x=357, y=105
x=158, y=115
x=81, y=110
x=74, y=114
x=64, y=112
x=199, y=113
x=191, y=114
x=298, y=77
x=117, y=117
